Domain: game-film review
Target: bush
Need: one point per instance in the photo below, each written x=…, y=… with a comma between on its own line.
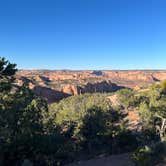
x=89, y=120
x=127, y=98
x=163, y=85
x=142, y=156
x=150, y=155
x=127, y=141
x=25, y=128
x=29, y=132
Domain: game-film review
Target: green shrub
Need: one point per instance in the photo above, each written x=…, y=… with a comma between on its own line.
x=163, y=85
x=127, y=98
x=143, y=156
x=127, y=141
x=89, y=119
x=150, y=155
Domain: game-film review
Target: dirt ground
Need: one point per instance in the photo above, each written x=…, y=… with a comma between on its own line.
x=114, y=160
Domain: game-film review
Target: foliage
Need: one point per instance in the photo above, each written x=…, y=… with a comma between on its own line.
x=163, y=85
x=20, y=116
x=145, y=115
x=127, y=141
x=24, y=129
x=99, y=128
x=89, y=119
x=150, y=155
x=127, y=98
x=153, y=119
x=153, y=112
x=142, y=156
x=32, y=132
x=73, y=108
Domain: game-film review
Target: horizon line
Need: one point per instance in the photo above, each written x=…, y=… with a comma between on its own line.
x=93, y=69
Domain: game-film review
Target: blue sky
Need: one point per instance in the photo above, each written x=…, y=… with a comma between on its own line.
x=84, y=34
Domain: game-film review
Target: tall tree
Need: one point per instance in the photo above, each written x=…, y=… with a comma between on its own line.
x=21, y=117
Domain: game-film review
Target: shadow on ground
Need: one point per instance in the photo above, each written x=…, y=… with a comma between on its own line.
x=114, y=160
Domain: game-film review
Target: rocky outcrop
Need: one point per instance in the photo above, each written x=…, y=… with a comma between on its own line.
x=71, y=89
x=55, y=95
x=49, y=94
x=101, y=87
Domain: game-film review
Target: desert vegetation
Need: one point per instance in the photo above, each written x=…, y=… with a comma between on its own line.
x=79, y=127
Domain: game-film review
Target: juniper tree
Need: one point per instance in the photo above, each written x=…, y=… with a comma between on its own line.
x=20, y=117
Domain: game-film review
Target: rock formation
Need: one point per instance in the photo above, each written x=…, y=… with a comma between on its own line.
x=55, y=85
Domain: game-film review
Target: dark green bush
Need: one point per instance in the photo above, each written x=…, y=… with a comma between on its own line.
x=127, y=98
x=90, y=120
x=127, y=141
x=143, y=156
x=150, y=155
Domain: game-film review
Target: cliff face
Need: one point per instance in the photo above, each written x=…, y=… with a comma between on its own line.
x=50, y=94
x=55, y=85
x=71, y=89
x=103, y=86
x=146, y=76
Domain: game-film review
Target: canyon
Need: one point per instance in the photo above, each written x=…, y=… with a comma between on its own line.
x=55, y=85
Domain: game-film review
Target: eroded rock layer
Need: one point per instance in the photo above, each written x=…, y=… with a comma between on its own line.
x=55, y=85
